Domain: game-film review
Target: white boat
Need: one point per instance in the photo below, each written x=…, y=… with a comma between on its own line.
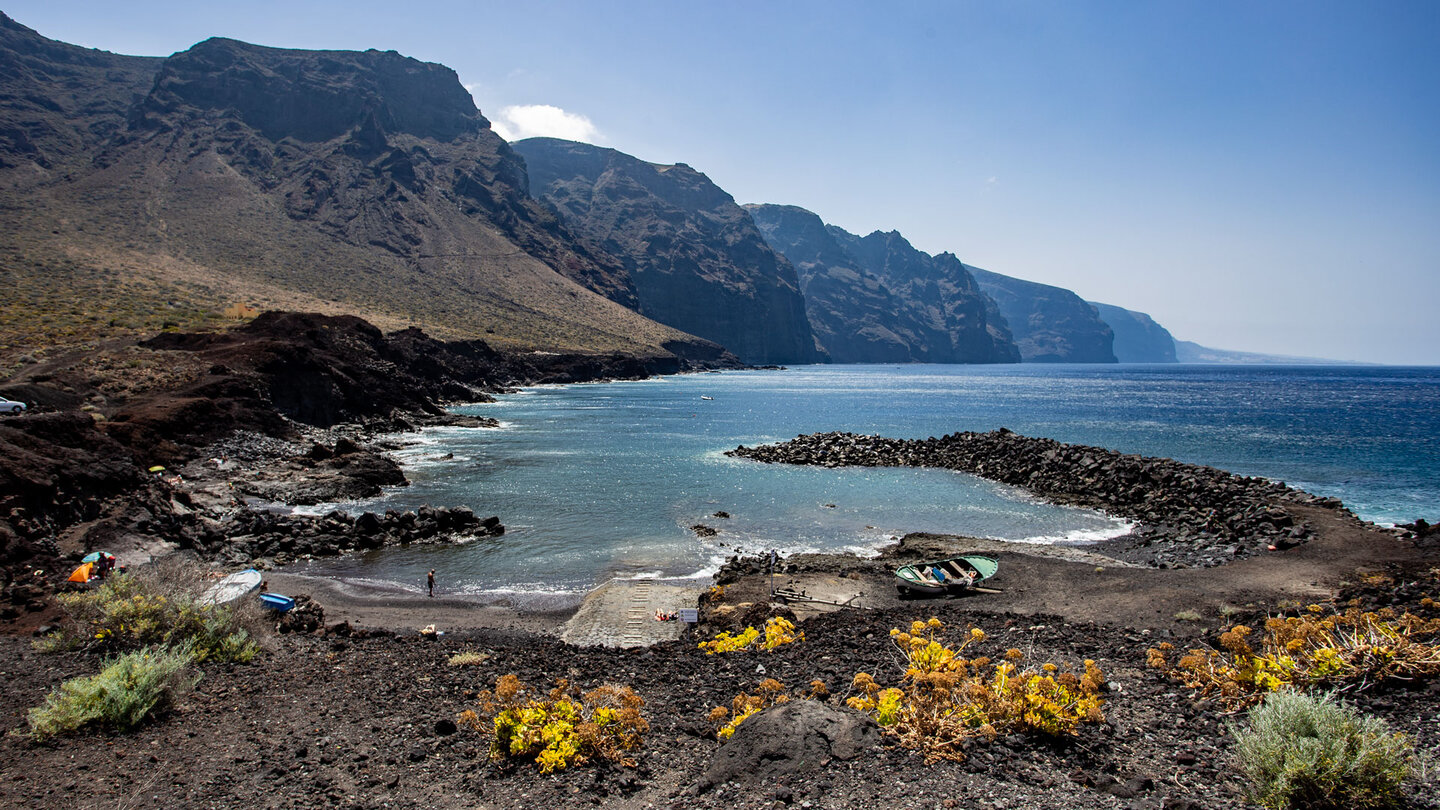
x=231, y=588
x=702, y=396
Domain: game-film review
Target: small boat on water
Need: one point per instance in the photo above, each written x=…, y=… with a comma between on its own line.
x=702, y=396
x=275, y=601
x=954, y=575
x=231, y=588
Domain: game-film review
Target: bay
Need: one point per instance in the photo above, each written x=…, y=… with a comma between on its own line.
x=600, y=480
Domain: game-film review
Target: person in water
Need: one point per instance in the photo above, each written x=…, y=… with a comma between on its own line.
x=430, y=581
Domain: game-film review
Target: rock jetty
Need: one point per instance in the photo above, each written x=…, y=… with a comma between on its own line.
x=251, y=536
x=1187, y=515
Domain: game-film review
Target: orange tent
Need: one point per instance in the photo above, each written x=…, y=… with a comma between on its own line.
x=82, y=574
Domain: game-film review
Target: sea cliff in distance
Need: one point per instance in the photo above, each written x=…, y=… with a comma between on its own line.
x=192, y=191
x=1190, y=352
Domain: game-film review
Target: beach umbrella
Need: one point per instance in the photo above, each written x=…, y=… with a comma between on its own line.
x=95, y=556
x=82, y=574
x=158, y=468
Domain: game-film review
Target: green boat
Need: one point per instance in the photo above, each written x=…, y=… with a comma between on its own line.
x=954, y=575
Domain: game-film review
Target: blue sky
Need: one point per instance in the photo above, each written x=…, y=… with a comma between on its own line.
x=1261, y=176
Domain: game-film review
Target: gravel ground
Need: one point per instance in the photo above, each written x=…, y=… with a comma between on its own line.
x=364, y=721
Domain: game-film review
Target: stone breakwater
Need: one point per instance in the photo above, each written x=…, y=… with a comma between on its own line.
x=267, y=538
x=1188, y=515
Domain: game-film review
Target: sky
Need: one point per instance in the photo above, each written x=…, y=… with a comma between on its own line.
x=1257, y=176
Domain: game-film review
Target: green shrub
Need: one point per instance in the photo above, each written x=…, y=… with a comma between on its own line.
x=127, y=690
x=129, y=611
x=1301, y=751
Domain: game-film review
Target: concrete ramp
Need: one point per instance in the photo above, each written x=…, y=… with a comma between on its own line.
x=621, y=613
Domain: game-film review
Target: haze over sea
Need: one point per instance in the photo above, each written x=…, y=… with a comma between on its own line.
x=601, y=480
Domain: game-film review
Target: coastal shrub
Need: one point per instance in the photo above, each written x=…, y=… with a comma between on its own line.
x=1300, y=750
x=127, y=690
x=770, y=693
x=129, y=611
x=945, y=698
x=561, y=729
x=468, y=659
x=778, y=631
x=1313, y=649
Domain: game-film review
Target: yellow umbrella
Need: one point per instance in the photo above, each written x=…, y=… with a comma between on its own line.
x=82, y=574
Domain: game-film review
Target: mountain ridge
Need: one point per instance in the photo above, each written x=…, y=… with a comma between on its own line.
x=346, y=182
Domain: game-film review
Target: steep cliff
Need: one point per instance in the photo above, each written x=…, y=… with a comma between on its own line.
x=860, y=318
x=1138, y=338
x=696, y=260
x=166, y=190
x=938, y=291
x=1050, y=324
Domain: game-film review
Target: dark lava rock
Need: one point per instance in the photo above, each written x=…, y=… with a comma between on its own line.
x=1188, y=515
x=797, y=736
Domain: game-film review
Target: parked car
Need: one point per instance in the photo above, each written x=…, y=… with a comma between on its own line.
x=11, y=406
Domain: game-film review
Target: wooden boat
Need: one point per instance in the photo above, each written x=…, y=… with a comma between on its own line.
x=274, y=601
x=231, y=588
x=954, y=575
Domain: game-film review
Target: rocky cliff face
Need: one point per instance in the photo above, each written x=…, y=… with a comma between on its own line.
x=1050, y=324
x=1138, y=338
x=696, y=259
x=937, y=291
x=860, y=317
x=330, y=181
x=58, y=102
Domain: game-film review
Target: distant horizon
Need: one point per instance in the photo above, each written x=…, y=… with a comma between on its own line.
x=1253, y=175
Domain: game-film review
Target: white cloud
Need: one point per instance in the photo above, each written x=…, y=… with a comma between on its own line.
x=543, y=120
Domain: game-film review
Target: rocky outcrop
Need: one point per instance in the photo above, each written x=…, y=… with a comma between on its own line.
x=696, y=260
x=249, y=537
x=1049, y=324
x=1138, y=338
x=1189, y=515
x=791, y=738
x=860, y=317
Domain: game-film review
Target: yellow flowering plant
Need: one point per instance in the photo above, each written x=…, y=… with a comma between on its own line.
x=1315, y=648
x=778, y=631
x=561, y=729
x=770, y=693
x=945, y=698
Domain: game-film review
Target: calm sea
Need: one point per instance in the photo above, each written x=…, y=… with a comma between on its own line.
x=606, y=480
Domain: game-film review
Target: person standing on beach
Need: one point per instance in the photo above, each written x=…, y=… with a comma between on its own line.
x=430, y=580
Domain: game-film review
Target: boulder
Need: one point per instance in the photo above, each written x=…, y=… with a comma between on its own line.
x=797, y=736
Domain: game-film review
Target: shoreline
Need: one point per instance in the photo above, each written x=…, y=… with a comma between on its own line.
x=401, y=611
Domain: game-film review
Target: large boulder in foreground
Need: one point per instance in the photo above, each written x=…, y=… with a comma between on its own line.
x=797, y=736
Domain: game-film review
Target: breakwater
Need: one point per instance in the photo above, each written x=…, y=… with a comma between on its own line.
x=1188, y=515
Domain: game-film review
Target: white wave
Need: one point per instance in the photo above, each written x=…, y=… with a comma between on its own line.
x=1080, y=536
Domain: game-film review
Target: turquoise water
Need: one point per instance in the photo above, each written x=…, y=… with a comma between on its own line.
x=601, y=480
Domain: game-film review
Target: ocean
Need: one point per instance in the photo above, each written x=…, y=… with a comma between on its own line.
x=603, y=480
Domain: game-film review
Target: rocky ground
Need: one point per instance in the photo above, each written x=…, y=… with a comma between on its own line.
x=367, y=720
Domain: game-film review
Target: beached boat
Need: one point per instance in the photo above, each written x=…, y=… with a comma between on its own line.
x=954, y=575
x=231, y=588
x=275, y=601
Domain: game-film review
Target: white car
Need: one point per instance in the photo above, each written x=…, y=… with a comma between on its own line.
x=11, y=406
